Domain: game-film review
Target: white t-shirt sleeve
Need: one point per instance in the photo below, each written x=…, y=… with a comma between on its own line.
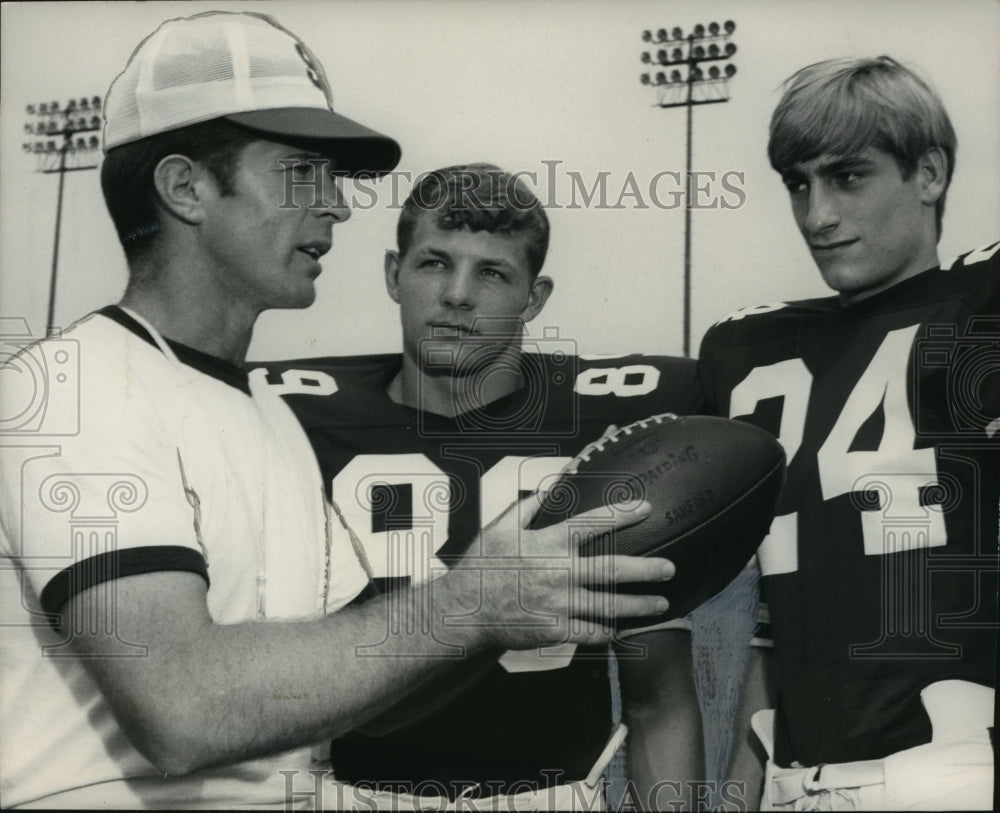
x=102, y=502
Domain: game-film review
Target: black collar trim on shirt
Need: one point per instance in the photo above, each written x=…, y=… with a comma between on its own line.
x=213, y=366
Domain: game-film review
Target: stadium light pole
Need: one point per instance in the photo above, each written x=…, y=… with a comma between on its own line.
x=687, y=85
x=59, y=147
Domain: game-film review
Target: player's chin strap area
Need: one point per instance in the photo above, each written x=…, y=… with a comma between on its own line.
x=954, y=771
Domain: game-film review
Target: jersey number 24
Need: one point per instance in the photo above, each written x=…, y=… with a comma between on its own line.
x=896, y=471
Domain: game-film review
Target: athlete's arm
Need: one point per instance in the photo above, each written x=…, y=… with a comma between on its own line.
x=211, y=694
x=664, y=754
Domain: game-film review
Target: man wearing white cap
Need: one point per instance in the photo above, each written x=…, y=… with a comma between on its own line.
x=170, y=568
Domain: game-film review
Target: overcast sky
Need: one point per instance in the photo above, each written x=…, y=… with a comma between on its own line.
x=545, y=87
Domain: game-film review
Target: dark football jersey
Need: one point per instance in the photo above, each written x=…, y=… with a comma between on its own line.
x=415, y=488
x=880, y=570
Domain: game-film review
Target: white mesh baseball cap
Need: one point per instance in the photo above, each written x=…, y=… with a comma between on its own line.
x=244, y=67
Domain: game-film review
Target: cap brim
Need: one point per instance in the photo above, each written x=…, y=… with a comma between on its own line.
x=355, y=148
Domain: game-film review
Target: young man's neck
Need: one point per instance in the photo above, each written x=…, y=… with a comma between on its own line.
x=927, y=260
x=452, y=395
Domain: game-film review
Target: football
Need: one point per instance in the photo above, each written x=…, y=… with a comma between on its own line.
x=713, y=485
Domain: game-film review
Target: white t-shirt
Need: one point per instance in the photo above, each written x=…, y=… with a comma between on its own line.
x=119, y=458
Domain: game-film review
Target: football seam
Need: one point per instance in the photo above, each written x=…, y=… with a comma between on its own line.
x=599, y=445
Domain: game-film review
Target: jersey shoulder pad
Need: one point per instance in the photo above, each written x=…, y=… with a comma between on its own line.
x=763, y=323
x=633, y=386
x=664, y=364
x=343, y=368
x=328, y=374
x=349, y=366
x=740, y=314
x=976, y=276
x=987, y=256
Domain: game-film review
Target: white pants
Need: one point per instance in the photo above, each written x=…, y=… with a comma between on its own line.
x=952, y=772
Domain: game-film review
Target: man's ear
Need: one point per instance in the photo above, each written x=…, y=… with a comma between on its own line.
x=180, y=184
x=932, y=175
x=540, y=290
x=392, y=275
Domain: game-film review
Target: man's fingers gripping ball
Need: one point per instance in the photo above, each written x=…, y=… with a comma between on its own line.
x=713, y=485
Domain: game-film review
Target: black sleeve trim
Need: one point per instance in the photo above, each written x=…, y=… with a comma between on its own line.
x=115, y=564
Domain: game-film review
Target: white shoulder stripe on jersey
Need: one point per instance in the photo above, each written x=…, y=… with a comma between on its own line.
x=754, y=310
x=975, y=256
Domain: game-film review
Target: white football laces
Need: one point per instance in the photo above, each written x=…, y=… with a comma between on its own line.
x=611, y=435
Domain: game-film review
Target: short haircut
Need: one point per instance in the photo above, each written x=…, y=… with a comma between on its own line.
x=478, y=197
x=843, y=106
x=127, y=175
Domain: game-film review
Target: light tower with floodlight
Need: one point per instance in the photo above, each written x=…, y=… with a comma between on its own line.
x=59, y=146
x=688, y=84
